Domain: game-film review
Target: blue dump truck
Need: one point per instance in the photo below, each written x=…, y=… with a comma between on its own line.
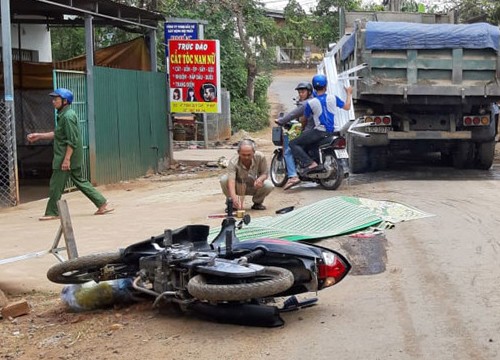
x=426, y=88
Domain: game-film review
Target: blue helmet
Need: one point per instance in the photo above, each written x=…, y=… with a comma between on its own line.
x=63, y=94
x=319, y=81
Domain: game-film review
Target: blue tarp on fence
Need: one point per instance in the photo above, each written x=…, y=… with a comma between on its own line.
x=402, y=35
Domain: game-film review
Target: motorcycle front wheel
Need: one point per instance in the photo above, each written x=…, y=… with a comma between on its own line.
x=278, y=173
x=273, y=280
x=334, y=181
x=97, y=267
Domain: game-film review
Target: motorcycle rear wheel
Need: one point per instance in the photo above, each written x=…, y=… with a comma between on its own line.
x=334, y=181
x=88, y=268
x=273, y=281
x=278, y=172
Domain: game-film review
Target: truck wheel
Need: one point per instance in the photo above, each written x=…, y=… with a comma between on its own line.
x=463, y=156
x=358, y=156
x=485, y=155
x=378, y=158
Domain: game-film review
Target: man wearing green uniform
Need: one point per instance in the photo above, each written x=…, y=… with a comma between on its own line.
x=68, y=156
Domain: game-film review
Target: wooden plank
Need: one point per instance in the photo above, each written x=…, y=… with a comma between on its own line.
x=67, y=228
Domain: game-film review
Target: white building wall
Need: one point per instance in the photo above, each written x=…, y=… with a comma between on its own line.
x=33, y=37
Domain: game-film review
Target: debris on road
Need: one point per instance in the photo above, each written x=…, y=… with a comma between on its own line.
x=16, y=309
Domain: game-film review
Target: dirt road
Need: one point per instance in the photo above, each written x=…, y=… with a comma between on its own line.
x=436, y=299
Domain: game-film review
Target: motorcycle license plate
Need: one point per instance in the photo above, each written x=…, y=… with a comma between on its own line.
x=341, y=153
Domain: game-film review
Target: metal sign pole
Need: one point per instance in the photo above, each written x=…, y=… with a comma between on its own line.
x=9, y=94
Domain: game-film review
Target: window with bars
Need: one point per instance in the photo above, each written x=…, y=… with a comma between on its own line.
x=22, y=55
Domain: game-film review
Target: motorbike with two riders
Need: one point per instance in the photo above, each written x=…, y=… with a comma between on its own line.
x=330, y=153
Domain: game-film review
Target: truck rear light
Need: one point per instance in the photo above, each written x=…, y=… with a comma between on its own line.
x=379, y=119
x=476, y=120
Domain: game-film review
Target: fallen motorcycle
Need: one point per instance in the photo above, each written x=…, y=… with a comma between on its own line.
x=330, y=154
x=226, y=280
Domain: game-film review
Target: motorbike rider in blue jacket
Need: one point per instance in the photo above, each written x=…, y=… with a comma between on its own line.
x=322, y=108
x=304, y=90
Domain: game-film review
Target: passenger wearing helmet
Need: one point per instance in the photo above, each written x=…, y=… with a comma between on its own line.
x=304, y=90
x=68, y=156
x=322, y=109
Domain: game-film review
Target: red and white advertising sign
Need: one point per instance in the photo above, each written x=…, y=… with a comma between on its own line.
x=194, y=67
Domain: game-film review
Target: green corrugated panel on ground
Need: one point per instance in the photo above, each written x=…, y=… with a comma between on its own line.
x=389, y=211
x=330, y=217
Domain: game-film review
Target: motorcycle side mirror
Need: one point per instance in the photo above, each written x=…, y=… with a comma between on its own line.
x=246, y=219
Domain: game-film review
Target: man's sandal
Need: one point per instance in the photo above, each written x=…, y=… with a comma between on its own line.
x=258, y=207
x=48, y=217
x=103, y=211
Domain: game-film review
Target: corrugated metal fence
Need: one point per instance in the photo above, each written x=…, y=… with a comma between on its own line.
x=130, y=123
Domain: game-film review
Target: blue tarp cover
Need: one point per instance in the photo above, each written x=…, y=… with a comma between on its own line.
x=402, y=35
x=348, y=47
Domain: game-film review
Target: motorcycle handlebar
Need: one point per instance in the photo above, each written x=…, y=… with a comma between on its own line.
x=254, y=255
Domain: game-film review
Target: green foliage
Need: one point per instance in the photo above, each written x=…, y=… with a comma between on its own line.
x=249, y=116
x=67, y=43
x=474, y=9
x=326, y=20
x=261, y=86
x=409, y=6
x=252, y=116
x=238, y=59
x=108, y=36
x=296, y=28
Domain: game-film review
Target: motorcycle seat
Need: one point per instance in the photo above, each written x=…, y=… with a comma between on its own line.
x=327, y=141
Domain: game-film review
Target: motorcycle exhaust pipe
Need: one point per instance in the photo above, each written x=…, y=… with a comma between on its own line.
x=240, y=314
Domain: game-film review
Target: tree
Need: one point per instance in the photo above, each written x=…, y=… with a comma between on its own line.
x=326, y=20
x=470, y=10
x=243, y=31
x=253, y=28
x=296, y=28
x=67, y=42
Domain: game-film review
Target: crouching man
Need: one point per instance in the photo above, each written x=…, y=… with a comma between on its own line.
x=247, y=174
